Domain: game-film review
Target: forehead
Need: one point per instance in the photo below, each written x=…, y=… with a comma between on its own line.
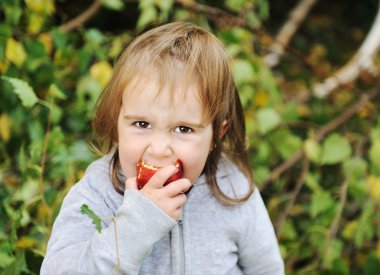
x=150, y=88
x=145, y=98
x=177, y=89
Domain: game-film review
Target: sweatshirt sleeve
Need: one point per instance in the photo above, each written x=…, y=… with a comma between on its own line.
x=76, y=247
x=258, y=248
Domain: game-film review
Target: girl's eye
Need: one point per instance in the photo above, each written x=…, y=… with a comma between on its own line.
x=142, y=124
x=183, y=130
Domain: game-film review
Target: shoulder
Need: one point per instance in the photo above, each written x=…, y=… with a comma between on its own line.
x=231, y=180
x=98, y=174
x=95, y=187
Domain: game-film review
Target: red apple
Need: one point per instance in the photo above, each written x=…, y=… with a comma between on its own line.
x=146, y=171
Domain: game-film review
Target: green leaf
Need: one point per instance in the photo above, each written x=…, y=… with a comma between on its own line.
x=18, y=266
x=26, y=191
x=113, y=4
x=332, y=253
x=56, y=92
x=355, y=168
x=267, y=119
x=243, y=71
x=374, y=153
x=96, y=220
x=5, y=31
x=320, y=202
x=289, y=231
x=35, y=49
x=253, y=19
x=263, y=8
x=372, y=264
x=286, y=143
x=5, y=259
x=148, y=15
x=95, y=37
x=22, y=90
x=312, y=181
x=80, y=151
x=336, y=149
x=365, y=230
x=12, y=14
x=312, y=150
x=84, y=59
x=260, y=174
x=235, y=5
x=59, y=38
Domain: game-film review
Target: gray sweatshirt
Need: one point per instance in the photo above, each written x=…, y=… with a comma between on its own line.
x=137, y=237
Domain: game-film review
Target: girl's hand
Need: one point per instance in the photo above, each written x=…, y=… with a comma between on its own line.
x=169, y=198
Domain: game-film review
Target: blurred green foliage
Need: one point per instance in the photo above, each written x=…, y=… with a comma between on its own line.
x=325, y=204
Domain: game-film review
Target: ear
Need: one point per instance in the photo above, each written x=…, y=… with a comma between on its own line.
x=223, y=129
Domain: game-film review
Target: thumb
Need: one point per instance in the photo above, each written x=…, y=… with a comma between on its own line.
x=131, y=183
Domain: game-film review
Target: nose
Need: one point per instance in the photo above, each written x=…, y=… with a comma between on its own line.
x=159, y=145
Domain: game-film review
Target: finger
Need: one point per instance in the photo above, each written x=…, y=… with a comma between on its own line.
x=160, y=177
x=179, y=200
x=176, y=214
x=131, y=183
x=176, y=187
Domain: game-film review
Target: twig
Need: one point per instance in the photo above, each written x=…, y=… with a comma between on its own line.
x=81, y=18
x=335, y=223
x=300, y=182
x=43, y=161
x=362, y=61
x=342, y=201
x=332, y=125
x=296, y=17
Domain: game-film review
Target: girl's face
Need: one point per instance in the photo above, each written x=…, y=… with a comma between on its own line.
x=160, y=127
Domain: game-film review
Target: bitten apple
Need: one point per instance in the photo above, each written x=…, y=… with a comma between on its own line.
x=146, y=171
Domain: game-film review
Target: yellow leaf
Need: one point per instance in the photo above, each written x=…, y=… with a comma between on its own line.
x=35, y=23
x=46, y=39
x=317, y=52
x=3, y=66
x=378, y=250
x=101, y=72
x=43, y=212
x=116, y=48
x=26, y=242
x=41, y=6
x=303, y=110
x=374, y=187
x=35, y=5
x=350, y=229
x=5, y=127
x=367, y=110
x=261, y=99
x=15, y=52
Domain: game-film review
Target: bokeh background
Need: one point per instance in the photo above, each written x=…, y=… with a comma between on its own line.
x=308, y=76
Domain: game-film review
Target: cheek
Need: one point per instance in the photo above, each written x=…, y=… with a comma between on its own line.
x=129, y=153
x=194, y=159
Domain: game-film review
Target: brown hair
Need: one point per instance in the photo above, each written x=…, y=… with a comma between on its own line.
x=181, y=52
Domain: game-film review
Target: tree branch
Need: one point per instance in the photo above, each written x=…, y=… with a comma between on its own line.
x=362, y=61
x=331, y=126
x=300, y=182
x=296, y=17
x=82, y=18
x=218, y=14
x=335, y=223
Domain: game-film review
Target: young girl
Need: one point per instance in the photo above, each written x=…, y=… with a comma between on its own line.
x=172, y=96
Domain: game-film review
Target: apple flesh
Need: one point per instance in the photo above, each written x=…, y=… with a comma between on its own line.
x=146, y=171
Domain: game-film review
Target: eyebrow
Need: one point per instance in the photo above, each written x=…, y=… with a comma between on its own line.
x=134, y=117
x=184, y=123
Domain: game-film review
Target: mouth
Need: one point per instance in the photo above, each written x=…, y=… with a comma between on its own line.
x=146, y=171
